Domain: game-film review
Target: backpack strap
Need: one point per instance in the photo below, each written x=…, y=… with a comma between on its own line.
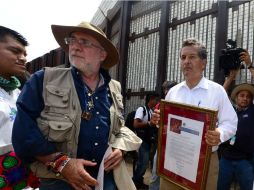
x=145, y=110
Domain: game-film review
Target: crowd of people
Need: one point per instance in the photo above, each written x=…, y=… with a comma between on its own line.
x=65, y=129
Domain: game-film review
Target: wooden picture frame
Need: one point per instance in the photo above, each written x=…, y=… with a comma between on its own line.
x=183, y=154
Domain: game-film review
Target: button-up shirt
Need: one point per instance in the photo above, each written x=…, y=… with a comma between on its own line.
x=208, y=94
x=93, y=136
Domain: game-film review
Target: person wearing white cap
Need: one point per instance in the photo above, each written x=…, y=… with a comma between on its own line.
x=236, y=154
x=69, y=117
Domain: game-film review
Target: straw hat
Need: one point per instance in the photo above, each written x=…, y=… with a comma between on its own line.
x=242, y=87
x=60, y=32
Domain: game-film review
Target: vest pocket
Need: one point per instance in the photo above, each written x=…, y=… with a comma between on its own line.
x=57, y=97
x=59, y=131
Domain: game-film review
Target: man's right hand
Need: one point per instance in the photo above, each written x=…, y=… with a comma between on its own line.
x=75, y=174
x=155, y=117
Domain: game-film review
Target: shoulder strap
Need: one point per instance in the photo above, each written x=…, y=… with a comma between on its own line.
x=58, y=75
x=145, y=111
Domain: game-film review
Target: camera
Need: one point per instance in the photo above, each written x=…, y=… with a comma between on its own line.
x=230, y=57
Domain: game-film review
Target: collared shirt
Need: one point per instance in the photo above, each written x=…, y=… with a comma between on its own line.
x=208, y=94
x=93, y=136
x=94, y=133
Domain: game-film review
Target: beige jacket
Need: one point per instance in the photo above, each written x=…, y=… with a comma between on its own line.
x=60, y=123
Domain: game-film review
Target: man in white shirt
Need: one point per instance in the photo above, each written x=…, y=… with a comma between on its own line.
x=198, y=91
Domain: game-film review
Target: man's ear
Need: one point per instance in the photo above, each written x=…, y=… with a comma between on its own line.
x=204, y=63
x=104, y=54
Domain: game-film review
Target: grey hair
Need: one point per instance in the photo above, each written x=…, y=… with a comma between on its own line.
x=202, y=53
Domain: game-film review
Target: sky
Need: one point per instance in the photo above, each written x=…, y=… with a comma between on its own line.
x=33, y=19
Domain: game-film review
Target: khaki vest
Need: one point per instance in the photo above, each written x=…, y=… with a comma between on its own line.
x=60, y=121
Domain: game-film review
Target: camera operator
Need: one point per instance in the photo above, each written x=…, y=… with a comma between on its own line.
x=244, y=57
x=232, y=57
x=236, y=153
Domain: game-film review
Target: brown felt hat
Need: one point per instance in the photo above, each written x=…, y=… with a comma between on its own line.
x=61, y=32
x=242, y=87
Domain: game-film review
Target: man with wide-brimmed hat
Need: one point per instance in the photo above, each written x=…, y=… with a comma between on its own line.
x=236, y=153
x=69, y=117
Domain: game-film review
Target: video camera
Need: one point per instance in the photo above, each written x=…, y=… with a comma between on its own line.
x=230, y=57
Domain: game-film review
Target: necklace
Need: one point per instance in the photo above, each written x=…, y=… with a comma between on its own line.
x=87, y=114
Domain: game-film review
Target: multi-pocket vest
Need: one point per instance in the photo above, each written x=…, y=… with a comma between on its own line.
x=60, y=119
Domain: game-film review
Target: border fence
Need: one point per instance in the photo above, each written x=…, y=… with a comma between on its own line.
x=148, y=36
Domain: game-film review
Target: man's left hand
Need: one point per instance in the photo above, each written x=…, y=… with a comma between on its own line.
x=213, y=137
x=113, y=159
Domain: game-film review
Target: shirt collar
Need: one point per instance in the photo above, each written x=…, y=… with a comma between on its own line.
x=203, y=84
x=242, y=109
x=105, y=77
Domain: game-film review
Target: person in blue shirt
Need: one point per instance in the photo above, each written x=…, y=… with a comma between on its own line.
x=236, y=154
x=69, y=121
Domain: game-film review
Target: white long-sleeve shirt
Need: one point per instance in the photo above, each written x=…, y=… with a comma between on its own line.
x=208, y=94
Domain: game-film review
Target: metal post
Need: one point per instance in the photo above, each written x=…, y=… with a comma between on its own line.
x=162, y=57
x=220, y=39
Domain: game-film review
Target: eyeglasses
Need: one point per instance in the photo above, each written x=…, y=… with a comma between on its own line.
x=84, y=43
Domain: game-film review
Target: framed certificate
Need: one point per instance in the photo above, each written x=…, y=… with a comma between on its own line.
x=183, y=154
